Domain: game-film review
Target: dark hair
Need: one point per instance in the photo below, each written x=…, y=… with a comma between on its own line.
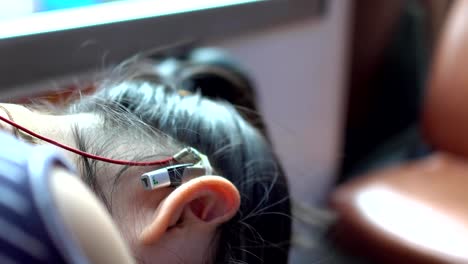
x=261, y=230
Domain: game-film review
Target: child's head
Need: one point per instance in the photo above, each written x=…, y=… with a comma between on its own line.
x=243, y=216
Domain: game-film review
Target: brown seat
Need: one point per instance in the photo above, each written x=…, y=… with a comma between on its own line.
x=418, y=212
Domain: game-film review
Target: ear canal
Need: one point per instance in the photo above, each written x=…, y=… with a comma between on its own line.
x=207, y=209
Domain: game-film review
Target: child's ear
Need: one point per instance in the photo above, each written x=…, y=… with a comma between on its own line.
x=205, y=202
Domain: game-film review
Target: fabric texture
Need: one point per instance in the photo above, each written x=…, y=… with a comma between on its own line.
x=31, y=229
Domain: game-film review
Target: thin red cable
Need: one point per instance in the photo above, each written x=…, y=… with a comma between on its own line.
x=85, y=154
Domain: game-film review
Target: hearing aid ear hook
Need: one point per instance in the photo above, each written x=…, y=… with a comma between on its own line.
x=194, y=164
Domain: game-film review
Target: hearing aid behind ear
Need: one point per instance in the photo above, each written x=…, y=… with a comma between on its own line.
x=195, y=164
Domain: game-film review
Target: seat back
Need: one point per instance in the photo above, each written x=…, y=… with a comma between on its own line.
x=445, y=109
x=417, y=212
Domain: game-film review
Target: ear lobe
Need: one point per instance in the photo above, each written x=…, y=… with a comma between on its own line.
x=206, y=201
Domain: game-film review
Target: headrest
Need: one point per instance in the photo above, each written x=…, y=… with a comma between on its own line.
x=445, y=111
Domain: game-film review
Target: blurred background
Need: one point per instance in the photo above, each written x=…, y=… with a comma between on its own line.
x=390, y=53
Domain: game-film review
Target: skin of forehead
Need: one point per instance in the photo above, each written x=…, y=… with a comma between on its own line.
x=56, y=127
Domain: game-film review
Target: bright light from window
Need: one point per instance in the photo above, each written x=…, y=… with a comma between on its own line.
x=101, y=14
x=15, y=8
x=414, y=221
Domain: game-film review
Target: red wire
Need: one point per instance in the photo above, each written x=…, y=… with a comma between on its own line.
x=85, y=154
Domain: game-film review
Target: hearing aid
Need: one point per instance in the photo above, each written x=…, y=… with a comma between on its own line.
x=191, y=164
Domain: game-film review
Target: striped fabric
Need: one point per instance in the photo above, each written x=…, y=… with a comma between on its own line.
x=31, y=230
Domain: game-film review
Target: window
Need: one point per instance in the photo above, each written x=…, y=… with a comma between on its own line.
x=26, y=17
x=57, y=39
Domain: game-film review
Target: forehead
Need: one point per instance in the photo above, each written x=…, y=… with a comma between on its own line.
x=55, y=127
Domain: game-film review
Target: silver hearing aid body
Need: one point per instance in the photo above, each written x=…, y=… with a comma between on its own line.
x=191, y=164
